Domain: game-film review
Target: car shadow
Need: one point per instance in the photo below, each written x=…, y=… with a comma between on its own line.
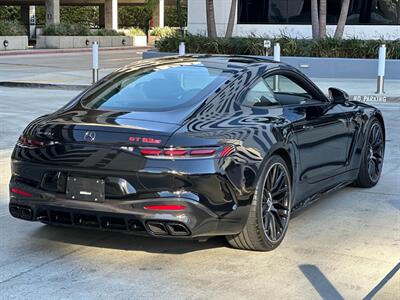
x=121, y=241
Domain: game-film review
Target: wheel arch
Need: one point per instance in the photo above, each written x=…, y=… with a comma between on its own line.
x=286, y=157
x=379, y=117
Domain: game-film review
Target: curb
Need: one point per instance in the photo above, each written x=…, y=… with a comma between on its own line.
x=52, y=86
x=73, y=50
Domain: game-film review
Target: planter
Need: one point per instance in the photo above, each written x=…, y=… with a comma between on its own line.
x=13, y=43
x=140, y=41
x=67, y=42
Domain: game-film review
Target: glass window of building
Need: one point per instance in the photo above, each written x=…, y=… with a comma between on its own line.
x=368, y=12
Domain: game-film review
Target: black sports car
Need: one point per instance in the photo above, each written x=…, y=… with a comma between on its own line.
x=193, y=147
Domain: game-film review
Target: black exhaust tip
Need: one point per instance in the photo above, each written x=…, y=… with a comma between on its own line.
x=15, y=211
x=157, y=228
x=21, y=212
x=177, y=229
x=26, y=213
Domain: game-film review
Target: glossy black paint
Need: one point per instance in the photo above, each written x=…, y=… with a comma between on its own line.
x=321, y=141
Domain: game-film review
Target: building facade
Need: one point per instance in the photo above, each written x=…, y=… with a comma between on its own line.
x=367, y=19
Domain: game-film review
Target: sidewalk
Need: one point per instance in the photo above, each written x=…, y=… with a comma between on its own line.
x=82, y=78
x=72, y=50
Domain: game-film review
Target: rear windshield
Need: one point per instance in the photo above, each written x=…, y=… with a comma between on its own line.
x=163, y=87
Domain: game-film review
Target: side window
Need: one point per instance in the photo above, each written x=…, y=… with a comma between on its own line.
x=287, y=91
x=260, y=95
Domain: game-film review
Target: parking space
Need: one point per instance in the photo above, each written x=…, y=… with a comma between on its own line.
x=342, y=246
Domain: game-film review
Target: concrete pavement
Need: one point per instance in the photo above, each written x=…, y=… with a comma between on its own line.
x=341, y=247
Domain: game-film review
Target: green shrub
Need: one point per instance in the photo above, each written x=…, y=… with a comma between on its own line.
x=106, y=32
x=252, y=45
x=172, y=18
x=9, y=12
x=77, y=30
x=83, y=15
x=11, y=28
x=136, y=16
x=66, y=30
x=133, y=31
x=162, y=32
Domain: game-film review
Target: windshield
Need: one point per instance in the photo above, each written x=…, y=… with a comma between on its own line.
x=163, y=87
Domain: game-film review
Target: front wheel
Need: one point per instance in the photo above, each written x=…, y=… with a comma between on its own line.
x=372, y=156
x=269, y=214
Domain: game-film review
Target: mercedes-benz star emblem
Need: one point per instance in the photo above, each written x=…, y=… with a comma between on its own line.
x=90, y=136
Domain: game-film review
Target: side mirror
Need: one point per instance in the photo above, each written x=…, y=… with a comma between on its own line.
x=337, y=96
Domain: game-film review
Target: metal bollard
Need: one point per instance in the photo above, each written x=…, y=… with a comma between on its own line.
x=277, y=52
x=182, y=50
x=267, y=45
x=381, y=70
x=277, y=57
x=95, y=62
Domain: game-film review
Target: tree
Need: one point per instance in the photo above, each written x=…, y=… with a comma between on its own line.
x=342, y=19
x=179, y=14
x=322, y=19
x=314, y=19
x=231, y=20
x=211, y=27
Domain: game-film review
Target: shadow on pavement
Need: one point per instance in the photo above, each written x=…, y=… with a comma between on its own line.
x=127, y=242
x=321, y=284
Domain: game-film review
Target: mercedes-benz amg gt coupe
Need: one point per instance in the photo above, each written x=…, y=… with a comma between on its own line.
x=194, y=147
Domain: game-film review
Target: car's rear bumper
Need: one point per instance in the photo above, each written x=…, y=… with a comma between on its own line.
x=129, y=216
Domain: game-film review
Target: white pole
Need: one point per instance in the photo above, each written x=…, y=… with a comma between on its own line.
x=161, y=13
x=381, y=70
x=95, y=62
x=277, y=52
x=277, y=58
x=182, y=50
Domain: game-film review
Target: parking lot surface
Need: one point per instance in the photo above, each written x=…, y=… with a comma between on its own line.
x=343, y=246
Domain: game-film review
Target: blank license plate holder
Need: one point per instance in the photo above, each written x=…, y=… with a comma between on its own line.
x=85, y=189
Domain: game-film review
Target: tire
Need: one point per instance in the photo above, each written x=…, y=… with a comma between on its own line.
x=256, y=236
x=373, y=153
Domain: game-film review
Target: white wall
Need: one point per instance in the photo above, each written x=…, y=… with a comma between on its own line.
x=197, y=25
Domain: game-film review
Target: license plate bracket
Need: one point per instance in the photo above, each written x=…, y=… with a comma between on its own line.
x=85, y=189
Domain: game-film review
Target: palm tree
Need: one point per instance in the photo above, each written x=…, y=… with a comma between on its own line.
x=211, y=27
x=314, y=19
x=231, y=20
x=342, y=19
x=322, y=19
x=179, y=13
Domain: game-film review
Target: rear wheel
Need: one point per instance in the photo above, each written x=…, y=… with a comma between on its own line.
x=372, y=157
x=270, y=210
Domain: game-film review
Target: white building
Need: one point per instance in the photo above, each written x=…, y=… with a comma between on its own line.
x=367, y=19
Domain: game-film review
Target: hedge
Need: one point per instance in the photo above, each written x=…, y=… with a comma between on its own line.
x=329, y=47
x=11, y=28
x=77, y=30
x=128, y=16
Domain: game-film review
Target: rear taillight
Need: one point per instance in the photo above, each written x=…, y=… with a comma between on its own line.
x=20, y=192
x=165, y=207
x=31, y=143
x=186, y=153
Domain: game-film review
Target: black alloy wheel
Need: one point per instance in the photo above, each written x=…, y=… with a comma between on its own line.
x=372, y=159
x=269, y=213
x=275, y=203
x=375, y=152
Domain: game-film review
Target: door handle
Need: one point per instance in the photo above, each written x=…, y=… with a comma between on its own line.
x=308, y=127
